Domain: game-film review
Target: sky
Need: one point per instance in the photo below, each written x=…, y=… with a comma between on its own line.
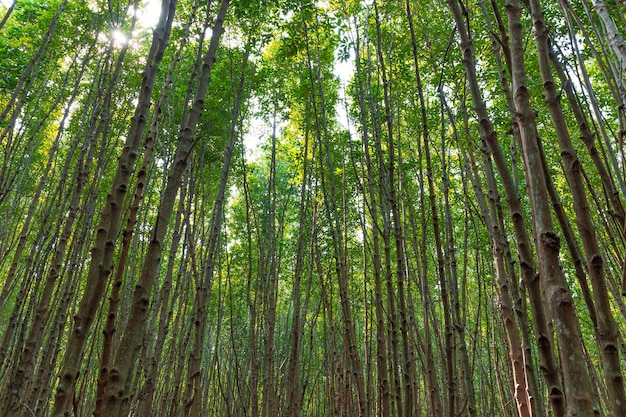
x=148, y=14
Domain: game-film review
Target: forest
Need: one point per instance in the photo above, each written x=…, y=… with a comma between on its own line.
x=262, y=208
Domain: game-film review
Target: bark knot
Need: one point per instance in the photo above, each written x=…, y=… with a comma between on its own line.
x=550, y=240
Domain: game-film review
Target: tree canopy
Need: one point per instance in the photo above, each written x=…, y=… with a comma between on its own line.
x=312, y=208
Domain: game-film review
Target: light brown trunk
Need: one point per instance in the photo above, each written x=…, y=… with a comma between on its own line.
x=606, y=330
x=576, y=379
x=125, y=358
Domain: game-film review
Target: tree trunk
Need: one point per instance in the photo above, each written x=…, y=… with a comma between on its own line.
x=606, y=327
x=102, y=253
x=125, y=358
x=576, y=379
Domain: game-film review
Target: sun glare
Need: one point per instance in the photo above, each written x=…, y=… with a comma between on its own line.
x=118, y=37
x=148, y=14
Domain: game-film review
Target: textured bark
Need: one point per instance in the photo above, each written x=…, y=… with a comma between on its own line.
x=612, y=78
x=101, y=263
x=606, y=328
x=516, y=353
x=547, y=360
x=28, y=355
x=615, y=39
x=450, y=255
x=125, y=358
x=589, y=139
x=195, y=405
x=165, y=312
x=576, y=379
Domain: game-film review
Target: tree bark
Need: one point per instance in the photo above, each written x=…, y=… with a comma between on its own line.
x=125, y=358
x=606, y=327
x=576, y=379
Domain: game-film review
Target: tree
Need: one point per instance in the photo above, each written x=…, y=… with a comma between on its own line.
x=311, y=208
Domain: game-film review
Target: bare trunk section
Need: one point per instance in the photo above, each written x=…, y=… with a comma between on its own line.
x=28, y=354
x=516, y=353
x=431, y=372
x=294, y=384
x=382, y=372
x=329, y=188
x=269, y=278
x=406, y=391
x=616, y=41
x=450, y=255
x=443, y=284
x=547, y=360
x=125, y=359
x=576, y=379
x=606, y=330
x=102, y=253
x=251, y=300
x=142, y=178
x=165, y=312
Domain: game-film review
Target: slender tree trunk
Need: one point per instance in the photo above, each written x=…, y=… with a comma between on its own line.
x=606, y=327
x=165, y=311
x=432, y=383
x=547, y=359
x=28, y=73
x=125, y=358
x=269, y=277
x=7, y=13
x=576, y=379
x=294, y=388
x=102, y=253
x=382, y=372
x=516, y=352
x=329, y=188
x=196, y=404
x=142, y=179
x=27, y=356
x=251, y=299
x=615, y=39
x=443, y=284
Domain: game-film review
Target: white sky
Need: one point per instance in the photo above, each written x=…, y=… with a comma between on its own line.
x=148, y=13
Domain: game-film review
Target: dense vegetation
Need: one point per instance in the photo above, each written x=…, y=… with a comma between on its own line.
x=312, y=208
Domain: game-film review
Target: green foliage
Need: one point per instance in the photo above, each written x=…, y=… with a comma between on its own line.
x=286, y=231
x=20, y=38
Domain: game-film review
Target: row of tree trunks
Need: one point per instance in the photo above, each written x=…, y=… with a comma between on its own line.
x=576, y=379
x=360, y=267
x=101, y=263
